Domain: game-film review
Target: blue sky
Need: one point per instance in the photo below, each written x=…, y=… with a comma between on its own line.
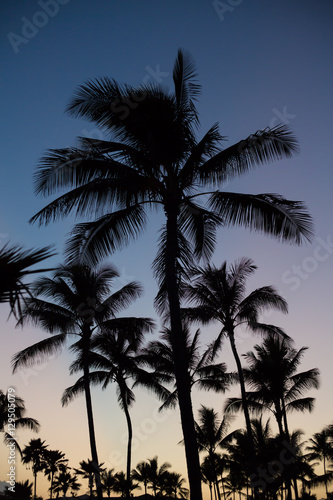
x=259, y=63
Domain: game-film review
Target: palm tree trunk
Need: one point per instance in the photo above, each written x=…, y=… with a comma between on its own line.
x=245, y=407
x=92, y=431
x=179, y=355
x=287, y=436
x=35, y=485
x=129, y=445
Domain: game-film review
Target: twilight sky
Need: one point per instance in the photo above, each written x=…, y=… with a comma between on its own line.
x=260, y=63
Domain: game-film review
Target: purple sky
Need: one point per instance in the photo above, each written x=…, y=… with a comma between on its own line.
x=259, y=63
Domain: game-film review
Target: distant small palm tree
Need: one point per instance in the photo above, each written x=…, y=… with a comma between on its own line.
x=54, y=460
x=173, y=485
x=107, y=480
x=141, y=474
x=321, y=448
x=14, y=267
x=34, y=453
x=156, y=473
x=121, y=485
x=20, y=420
x=211, y=432
x=65, y=481
x=88, y=470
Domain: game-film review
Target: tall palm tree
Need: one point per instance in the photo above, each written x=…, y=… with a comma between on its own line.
x=34, y=453
x=80, y=301
x=219, y=295
x=154, y=160
x=20, y=420
x=14, y=267
x=54, y=461
x=114, y=357
x=321, y=448
x=141, y=474
x=210, y=434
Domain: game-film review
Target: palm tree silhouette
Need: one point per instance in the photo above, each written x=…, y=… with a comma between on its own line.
x=156, y=161
x=80, y=303
x=108, y=480
x=20, y=420
x=173, y=485
x=114, y=356
x=23, y=490
x=219, y=294
x=321, y=448
x=65, y=481
x=34, y=453
x=203, y=372
x=272, y=372
x=121, y=485
x=211, y=432
x=156, y=473
x=14, y=267
x=54, y=461
x=88, y=471
x=141, y=474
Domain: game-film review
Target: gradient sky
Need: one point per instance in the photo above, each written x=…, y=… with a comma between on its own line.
x=259, y=63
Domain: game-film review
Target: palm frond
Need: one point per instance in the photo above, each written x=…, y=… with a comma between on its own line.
x=268, y=213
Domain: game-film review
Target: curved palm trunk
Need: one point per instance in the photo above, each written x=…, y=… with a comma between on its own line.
x=92, y=430
x=129, y=445
x=245, y=408
x=179, y=355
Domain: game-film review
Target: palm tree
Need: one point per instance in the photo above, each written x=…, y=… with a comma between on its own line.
x=210, y=434
x=121, y=485
x=54, y=461
x=156, y=473
x=80, y=303
x=321, y=448
x=204, y=373
x=23, y=491
x=14, y=264
x=272, y=372
x=219, y=294
x=114, y=354
x=34, y=453
x=174, y=485
x=65, y=481
x=141, y=474
x=20, y=420
x=155, y=160
x=108, y=480
x=87, y=471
